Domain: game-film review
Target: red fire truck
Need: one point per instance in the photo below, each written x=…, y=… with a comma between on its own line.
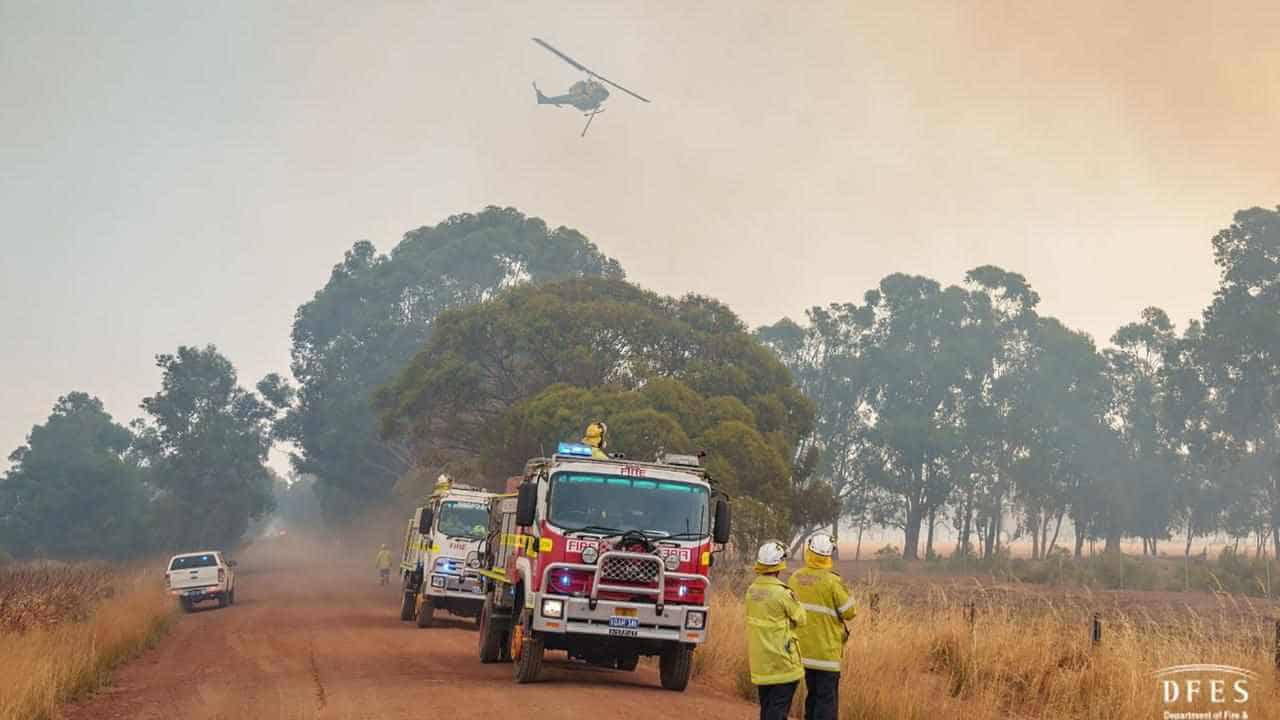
x=606, y=559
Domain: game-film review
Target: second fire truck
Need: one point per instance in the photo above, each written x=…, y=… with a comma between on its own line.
x=439, y=563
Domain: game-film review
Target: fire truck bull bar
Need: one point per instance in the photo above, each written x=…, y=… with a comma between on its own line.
x=592, y=620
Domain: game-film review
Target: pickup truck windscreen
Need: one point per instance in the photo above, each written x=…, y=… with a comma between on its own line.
x=187, y=562
x=620, y=504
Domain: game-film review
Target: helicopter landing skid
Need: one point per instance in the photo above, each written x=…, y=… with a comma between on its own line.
x=590, y=116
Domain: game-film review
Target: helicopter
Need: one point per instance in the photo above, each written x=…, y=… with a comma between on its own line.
x=586, y=95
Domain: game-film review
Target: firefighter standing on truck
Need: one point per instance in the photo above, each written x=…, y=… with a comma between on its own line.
x=827, y=606
x=595, y=439
x=773, y=614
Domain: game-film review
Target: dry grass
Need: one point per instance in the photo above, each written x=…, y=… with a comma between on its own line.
x=47, y=595
x=67, y=628
x=1030, y=658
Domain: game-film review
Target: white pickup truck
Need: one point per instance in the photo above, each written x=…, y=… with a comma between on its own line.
x=199, y=576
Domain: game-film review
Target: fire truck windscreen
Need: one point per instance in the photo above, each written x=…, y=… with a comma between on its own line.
x=621, y=504
x=458, y=519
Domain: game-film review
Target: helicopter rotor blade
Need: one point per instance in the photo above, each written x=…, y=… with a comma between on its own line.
x=587, y=70
x=562, y=56
x=605, y=79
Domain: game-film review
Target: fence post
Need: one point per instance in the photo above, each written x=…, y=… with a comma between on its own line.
x=1096, y=631
x=971, y=613
x=1277, y=645
x=874, y=605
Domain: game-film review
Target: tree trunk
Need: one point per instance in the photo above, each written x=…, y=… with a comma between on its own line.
x=997, y=525
x=1057, y=527
x=928, y=543
x=857, y=550
x=1044, y=534
x=1186, y=552
x=1113, y=540
x=991, y=543
x=911, y=543
x=1033, y=525
x=835, y=538
x=1080, y=535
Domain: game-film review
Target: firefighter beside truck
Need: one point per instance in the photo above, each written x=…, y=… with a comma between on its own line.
x=604, y=558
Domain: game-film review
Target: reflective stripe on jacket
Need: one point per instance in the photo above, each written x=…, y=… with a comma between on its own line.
x=773, y=614
x=827, y=605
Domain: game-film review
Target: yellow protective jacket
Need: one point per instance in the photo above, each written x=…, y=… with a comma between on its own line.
x=773, y=614
x=827, y=604
x=384, y=560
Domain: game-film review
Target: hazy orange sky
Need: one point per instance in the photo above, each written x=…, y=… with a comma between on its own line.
x=188, y=172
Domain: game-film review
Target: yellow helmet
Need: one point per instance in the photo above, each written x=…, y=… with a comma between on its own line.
x=595, y=436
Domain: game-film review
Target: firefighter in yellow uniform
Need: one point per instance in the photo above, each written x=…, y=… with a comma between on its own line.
x=827, y=604
x=596, y=440
x=773, y=614
x=384, y=564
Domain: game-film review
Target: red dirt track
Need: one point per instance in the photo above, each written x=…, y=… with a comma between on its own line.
x=301, y=643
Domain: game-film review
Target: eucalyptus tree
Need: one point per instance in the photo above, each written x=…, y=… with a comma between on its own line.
x=1241, y=355
x=377, y=310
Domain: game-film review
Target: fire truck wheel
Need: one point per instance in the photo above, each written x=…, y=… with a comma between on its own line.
x=492, y=635
x=674, y=666
x=526, y=650
x=406, y=605
x=426, y=612
x=627, y=662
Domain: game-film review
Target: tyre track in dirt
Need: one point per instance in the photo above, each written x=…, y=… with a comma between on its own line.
x=307, y=642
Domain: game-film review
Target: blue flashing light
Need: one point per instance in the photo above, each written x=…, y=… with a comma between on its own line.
x=684, y=590
x=575, y=449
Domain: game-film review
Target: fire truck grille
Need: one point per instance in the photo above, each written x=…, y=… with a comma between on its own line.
x=630, y=570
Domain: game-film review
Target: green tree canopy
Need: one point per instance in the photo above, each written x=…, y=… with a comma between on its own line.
x=587, y=332
x=74, y=492
x=205, y=442
x=376, y=311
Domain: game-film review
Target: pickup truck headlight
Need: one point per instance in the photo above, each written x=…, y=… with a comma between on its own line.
x=552, y=608
x=437, y=581
x=695, y=619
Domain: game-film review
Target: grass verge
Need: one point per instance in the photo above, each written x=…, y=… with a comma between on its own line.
x=44, y=666
x=1014, y=661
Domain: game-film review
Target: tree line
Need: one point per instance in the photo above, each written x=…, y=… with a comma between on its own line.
x=963, y=406
x=190, y=473
x=476, y=343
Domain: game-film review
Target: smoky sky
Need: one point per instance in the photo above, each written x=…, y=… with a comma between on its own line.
x=186, y=173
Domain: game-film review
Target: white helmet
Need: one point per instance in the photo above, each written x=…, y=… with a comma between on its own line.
x=821, y=544
x=771, y=553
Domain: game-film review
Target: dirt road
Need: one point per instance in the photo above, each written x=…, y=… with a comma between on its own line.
x=304, y=643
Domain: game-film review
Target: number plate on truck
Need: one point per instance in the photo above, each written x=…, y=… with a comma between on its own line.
x=624, y=622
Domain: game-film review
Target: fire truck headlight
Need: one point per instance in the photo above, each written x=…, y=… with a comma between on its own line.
x=552, y=608
x=590, y=555
x=437, y=581
x=695, y=619
x=672, y=562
